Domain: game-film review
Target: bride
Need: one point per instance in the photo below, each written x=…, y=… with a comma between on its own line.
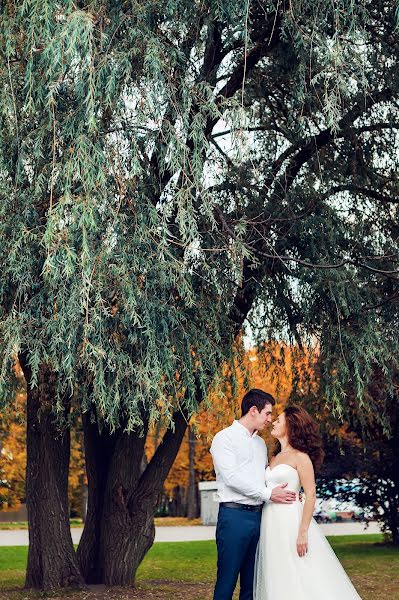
x=294, y=559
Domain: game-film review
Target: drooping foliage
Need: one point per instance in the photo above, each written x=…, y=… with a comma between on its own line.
x=167, y=167
x=169, y=171
x=317, y=190
x=95, y=161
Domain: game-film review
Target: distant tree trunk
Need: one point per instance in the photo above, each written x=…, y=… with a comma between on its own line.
x=83, y=497
x=392, y=511
x=178, y=503
x=52, y=562
x=163, y=505
x=192, y=497
x=394, y=525
x=122, y=501
x=394, y=504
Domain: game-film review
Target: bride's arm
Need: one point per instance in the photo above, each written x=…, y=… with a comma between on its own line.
x=306, y=474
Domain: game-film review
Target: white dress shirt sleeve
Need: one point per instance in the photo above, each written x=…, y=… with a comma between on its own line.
x=235, y=476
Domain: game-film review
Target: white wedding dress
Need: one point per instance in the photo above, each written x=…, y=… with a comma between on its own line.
x=280, y=574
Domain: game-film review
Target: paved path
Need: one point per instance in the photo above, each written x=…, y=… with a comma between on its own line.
x=19, y=537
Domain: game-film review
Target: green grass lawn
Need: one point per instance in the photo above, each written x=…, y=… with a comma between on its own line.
x=159, y=522
x=7, y=525
x=373, y=566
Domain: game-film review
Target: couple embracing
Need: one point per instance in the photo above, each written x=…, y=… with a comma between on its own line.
x=264, y=533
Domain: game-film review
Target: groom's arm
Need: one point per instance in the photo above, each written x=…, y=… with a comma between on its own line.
x=235, y=476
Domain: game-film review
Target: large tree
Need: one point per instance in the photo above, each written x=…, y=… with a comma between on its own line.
x=169, y=170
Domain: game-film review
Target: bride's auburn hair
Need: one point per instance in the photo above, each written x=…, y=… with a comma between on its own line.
x=304, y=434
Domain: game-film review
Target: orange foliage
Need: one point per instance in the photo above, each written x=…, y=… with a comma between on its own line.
x=13, y=458
x=271, y=371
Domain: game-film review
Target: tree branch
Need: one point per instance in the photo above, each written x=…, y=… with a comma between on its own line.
x=364, y=192
x=306, y=148
x=153, y=477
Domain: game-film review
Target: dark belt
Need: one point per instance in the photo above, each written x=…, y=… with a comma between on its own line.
x=239, y=506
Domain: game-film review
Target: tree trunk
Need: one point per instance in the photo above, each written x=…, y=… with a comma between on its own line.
x=178, y=505
x=114, y=463
x=393, y=514
x=192, y=497
x=52, y=562
x=98, y=452
x=83, y=497
x=395, y=535
x=119, y=527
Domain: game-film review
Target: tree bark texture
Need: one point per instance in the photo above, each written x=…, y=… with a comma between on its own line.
x=122, y=500
x=52, y=562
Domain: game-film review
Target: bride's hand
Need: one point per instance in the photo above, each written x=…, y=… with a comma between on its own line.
x=302, y=543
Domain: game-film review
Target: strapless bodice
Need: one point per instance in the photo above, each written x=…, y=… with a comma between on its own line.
x=283, y=473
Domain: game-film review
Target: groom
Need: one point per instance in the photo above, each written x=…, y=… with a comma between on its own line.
x=240, y=459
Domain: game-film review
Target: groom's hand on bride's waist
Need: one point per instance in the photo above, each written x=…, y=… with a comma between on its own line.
x=282, y=496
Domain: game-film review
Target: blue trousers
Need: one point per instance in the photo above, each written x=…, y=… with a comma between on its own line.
x=237, y=536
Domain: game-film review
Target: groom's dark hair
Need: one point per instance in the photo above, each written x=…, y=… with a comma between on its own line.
x=257, y=398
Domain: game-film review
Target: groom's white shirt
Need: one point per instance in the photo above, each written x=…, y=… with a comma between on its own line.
x=240, y=460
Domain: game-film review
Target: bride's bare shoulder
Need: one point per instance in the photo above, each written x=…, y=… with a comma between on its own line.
x=303, y=459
